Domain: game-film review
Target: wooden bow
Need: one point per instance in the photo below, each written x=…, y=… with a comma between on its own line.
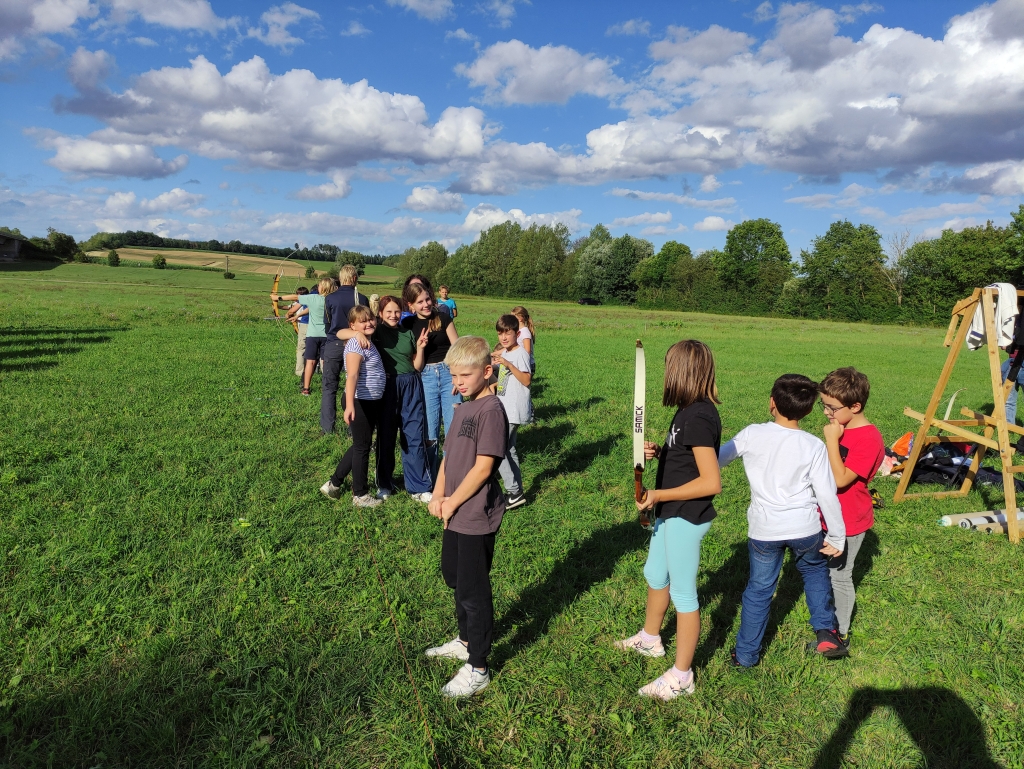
x=276, y=303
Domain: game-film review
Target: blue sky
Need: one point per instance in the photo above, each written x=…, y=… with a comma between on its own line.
x=380, y=126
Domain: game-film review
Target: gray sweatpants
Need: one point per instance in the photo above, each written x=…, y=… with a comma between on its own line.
x=511, y=475
x=842, y=583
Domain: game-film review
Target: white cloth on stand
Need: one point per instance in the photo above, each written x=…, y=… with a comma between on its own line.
x=1006, y=318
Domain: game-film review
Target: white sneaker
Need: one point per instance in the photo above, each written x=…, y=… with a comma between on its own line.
x=668, y=687
x=330, y=490
x=424, y=497
x=454, y=649
x=640, y=646
x=366, y=501
x=383, y=494
x=466, y=682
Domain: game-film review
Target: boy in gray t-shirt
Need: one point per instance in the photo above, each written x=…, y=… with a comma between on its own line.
x=468, y=499
x=513, y=390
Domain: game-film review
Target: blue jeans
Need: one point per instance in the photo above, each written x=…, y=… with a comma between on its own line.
x=437, y=392
x=765, y=565
x=402, y=408
x=1011, y=399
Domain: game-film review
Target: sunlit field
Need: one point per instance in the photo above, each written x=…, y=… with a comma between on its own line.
x=175, y=591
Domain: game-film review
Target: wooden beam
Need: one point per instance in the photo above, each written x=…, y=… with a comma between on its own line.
x=988, y=420
x=953, y=427
x=999, y=412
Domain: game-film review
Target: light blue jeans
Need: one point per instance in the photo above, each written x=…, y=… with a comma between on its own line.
x=674, y=558
x=437, y=392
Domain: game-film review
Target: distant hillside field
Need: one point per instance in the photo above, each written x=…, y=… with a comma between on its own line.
x=265, y=265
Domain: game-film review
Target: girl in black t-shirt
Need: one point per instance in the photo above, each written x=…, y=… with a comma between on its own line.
x=687, y=481
x=437, y=379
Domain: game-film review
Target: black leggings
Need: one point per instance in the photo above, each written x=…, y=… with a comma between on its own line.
x=357, y=458
x=466, y=568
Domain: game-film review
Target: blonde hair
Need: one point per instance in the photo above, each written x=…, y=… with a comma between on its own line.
x=359, y=314
x=689, y=374
x=524, y=319
x=375, y=304
x=348, y=275
x=326, y=286
x=469, y=351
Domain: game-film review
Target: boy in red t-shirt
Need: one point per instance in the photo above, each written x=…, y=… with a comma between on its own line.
x=855, y=452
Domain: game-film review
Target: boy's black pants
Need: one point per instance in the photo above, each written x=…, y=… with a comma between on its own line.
x=357, y=458
x=466, y=568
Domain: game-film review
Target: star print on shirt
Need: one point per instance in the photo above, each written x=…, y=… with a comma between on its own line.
x=672, y=436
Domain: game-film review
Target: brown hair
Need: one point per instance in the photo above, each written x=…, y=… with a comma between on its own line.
x=412, y=293
x=689, y=374
x=507, y=323
x=387, y=299
x=846, y=385
x=359, y=314
x=524, y=320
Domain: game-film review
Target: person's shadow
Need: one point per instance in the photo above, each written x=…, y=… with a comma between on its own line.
x=944, y=727
x=588, y=563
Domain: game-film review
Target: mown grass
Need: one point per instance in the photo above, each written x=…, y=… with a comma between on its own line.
x=174, y=590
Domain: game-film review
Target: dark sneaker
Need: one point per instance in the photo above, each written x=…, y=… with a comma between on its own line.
x=514, y=501
x=845, y=639
x=829, y=645
x=735, y=662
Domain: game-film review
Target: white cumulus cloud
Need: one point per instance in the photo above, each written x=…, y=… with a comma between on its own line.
x=514, y=73
x=338, y=187
x=274, y=24
x=84, y=157
x=433, y=199
x=717, y=204
x=714, y=224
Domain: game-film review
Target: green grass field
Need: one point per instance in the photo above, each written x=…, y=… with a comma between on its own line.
x=175, y=591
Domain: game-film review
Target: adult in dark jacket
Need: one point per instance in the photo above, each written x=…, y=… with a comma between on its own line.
x=336, y=307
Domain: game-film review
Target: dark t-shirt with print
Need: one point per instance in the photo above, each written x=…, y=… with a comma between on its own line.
x=696, y=425
x=481, y=428
x=437, y=341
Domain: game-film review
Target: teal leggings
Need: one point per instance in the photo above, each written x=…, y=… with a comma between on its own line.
x=674, y=558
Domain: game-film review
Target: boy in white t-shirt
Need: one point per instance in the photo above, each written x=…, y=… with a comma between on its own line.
x=791, y=490
x=513, y=390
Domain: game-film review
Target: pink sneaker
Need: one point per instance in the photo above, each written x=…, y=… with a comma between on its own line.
x=668, y=686
x=641, y=646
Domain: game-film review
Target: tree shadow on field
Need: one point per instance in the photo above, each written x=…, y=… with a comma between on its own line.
x=587, y=563
x=946, y=730
x=31, y=350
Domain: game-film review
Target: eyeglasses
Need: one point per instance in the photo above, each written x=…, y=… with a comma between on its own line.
x=831, y=410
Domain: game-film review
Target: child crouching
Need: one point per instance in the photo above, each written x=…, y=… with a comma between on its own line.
x=469, y=502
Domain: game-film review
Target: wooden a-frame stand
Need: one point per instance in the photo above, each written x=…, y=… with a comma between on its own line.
x=963, y=314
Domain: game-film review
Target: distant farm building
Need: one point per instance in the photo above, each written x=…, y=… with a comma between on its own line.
x=13, y=247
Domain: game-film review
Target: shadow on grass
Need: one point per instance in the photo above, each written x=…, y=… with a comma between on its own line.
x=729, y=580
x=555, y=410
x=576, y=461
x=32, y=350
x=946, y=730
x=30, y=265
x=588, y=563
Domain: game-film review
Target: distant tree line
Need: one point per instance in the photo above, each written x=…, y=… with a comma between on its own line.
x=848, y=273
x=322, y=252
